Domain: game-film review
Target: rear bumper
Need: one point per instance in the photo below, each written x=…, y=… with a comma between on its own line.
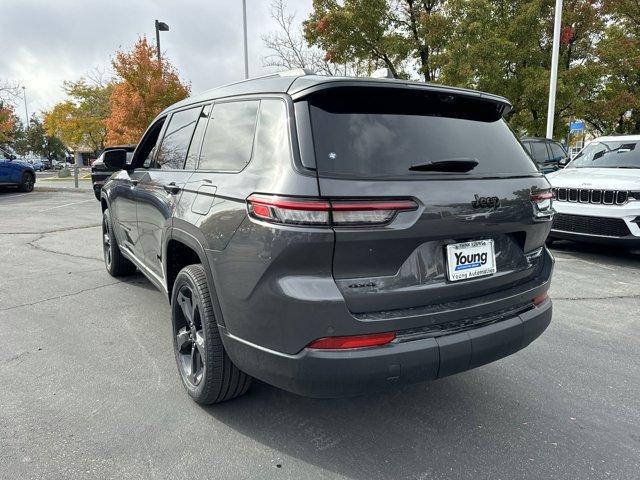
x=333, y=373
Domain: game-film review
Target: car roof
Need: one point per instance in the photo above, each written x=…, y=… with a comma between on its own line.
x=299, y=83
x=537, y=139
x=617, y=138
x=130, y=147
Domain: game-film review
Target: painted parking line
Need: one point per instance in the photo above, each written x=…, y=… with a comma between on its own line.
x=14, y=195
x=67, y=205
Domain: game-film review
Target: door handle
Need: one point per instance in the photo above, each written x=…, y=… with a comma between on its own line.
x=172, y=188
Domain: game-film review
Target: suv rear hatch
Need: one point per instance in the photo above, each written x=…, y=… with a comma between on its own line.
x=454, y=156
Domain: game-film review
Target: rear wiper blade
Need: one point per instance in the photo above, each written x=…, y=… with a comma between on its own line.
x=457, y=165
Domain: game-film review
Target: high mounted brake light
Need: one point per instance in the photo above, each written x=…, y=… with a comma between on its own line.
x=320, y=212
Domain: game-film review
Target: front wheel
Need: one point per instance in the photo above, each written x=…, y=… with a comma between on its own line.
x=207, y=372
x=28, y=181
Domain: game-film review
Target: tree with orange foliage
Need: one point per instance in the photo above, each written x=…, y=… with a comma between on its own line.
x=143, y=89
x=7, y=122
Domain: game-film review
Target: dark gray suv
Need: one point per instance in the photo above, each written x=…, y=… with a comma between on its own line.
x=331, y=236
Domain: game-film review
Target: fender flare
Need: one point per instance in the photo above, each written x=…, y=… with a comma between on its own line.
x=190, y=240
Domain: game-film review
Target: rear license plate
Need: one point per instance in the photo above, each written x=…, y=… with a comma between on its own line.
x=470, y=260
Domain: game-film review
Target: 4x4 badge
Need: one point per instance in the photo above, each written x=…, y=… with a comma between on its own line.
x=485, y=202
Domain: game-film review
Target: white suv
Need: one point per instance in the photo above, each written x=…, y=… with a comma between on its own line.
x=597, y=196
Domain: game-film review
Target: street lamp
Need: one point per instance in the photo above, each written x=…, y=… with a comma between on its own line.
x=160, y=27
x=26, y=112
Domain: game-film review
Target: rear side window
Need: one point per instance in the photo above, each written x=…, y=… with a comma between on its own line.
x=539, y=152
x=272, y=135
x=177, y=137
x=557, y=152
x=228, y=141
x=382, y=133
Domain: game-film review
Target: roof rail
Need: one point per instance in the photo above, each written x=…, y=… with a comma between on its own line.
x=295, y=72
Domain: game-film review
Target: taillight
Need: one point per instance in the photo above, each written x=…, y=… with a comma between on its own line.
x=543, y=203
x=355, y=341
x=540, y=299
x=305, y=211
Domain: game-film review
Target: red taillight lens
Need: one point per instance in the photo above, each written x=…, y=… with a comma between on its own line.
x=289, y=211
x=295, y=211
x=356, y=341
x=540, y=299
x=543, y=203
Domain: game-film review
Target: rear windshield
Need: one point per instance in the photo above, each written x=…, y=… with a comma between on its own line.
x=383, y=133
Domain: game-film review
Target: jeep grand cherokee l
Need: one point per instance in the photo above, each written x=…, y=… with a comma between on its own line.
x=331, y=236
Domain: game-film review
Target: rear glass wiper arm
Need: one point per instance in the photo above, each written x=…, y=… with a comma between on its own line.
x=457, y=165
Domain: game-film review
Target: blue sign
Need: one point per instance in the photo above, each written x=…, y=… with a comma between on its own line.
x=576, y=125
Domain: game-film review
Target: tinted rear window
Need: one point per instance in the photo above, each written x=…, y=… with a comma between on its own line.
x=381, y=133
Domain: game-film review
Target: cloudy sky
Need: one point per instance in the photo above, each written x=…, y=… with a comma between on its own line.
x=43, y=42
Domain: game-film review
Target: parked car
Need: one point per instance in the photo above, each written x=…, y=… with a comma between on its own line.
x=597, y=196
x=548, y=154
x=329, y=244
x=17, y=173
x=37, y=165
x=100, y=173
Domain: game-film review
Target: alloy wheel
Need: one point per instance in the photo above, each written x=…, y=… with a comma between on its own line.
x=106, y=243
x=190, y=342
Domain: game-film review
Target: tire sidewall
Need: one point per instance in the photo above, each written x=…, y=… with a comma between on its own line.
x=208, y=322
x=106, y=218
x=25, y=177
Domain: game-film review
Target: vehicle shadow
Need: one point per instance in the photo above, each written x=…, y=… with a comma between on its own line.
x=605, y=254
x=415, y=431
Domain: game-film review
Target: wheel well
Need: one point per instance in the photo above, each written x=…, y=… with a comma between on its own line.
x=103, y=203
x=178, y=256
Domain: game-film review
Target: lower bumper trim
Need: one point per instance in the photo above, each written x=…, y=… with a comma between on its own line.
x=332, y=373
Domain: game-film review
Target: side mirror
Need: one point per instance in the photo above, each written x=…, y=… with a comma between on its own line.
x=563, y=161
x=115, y=160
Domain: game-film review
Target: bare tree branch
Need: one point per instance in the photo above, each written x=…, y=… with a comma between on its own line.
x=289, y=48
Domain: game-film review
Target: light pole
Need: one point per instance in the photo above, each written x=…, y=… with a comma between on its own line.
x=244, y=25
x=26, y=112
x=160, y=27
x=554, y=69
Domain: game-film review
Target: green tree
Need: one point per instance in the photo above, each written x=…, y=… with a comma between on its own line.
x=80, y=120
x=505, y=48
x=615, y=106
x=35, y=140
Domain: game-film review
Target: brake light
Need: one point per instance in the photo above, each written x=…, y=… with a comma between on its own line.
x=543, y=203
x=351, y=342
x=540, y=299
x=319, y=212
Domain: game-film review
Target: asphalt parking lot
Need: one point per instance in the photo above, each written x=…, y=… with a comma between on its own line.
x=89, y=388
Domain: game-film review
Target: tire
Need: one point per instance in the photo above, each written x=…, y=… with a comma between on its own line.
x=97, y=194
x=207, y=373
x=117, y=265
x=28, y=181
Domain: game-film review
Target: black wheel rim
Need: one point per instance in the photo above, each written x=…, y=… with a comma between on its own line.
x=106, y=243
x=190, y=345
x=28, y=183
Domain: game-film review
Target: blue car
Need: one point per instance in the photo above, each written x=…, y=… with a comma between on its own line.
x=17, y=173
x=38, y=166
